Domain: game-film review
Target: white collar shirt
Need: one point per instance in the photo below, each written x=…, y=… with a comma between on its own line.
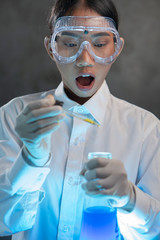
x=38, y=203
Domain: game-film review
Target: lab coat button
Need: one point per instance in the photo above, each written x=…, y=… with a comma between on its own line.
x=65, y=228
x=70, y=180
x=76, y=141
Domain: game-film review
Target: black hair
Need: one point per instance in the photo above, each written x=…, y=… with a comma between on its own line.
x=105, y=8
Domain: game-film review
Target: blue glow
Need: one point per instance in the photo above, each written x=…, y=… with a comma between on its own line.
x=99, y=223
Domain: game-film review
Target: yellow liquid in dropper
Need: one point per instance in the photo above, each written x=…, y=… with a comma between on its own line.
x=82, y=118
x=91, y=121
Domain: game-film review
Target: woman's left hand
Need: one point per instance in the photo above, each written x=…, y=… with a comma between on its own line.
x=108, y=177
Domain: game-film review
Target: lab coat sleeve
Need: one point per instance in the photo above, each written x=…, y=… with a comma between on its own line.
x=144, y=221
x=20, y=184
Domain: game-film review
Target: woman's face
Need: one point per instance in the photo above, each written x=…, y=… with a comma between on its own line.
x=84, y=77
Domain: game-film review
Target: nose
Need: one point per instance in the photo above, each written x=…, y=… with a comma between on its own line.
x=85, y=59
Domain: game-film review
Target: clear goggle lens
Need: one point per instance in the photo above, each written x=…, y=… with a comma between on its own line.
x=102, y=44
x=71, y=37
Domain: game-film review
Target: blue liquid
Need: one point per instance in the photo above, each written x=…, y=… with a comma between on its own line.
x=99, y=223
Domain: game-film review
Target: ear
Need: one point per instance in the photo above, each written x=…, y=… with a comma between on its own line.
x=122, y=45
x=48, y=48
x=120, y=50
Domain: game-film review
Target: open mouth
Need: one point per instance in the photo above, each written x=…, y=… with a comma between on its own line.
x=85, y=81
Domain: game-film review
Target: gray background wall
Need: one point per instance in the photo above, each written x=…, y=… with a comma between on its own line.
x=26, y=68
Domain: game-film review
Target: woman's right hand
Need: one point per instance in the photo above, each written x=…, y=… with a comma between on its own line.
x=34, y=126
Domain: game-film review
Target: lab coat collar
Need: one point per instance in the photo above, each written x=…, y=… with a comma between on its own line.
x=96, y=105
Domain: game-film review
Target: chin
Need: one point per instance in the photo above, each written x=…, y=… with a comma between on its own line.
x=85, y=93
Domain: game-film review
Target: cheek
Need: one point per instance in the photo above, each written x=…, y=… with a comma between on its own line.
x=103, y=71
x=65, y=70
x=61, y=68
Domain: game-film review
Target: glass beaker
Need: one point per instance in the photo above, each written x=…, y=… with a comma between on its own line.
x=99, y=221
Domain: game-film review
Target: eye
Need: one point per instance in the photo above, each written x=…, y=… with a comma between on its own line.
x=70, y=45
x=99, y=45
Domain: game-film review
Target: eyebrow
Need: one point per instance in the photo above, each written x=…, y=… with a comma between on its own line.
x=100, y=34
x=77, y=35
x=70, y=34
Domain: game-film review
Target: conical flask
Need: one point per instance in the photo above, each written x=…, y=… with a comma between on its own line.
x=99, y=221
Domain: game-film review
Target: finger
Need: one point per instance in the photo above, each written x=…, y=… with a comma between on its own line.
x=97, y=162
x=84, y=169
x=82, y=172
x=40, y=133
x=91, y=186
x=34, y=126
x=94, y=194
x=56, y=102
x=107, y=183
x=110, y=192
x=43, y=132
x=93, y=164
x=102, y=184
x=46, y=102
x=51, y=97
x=43, y=113
x=29, y=131
x=100, y=173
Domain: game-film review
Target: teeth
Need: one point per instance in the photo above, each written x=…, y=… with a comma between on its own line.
x=85, y=75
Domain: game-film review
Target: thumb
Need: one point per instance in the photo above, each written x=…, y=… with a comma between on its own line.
x=51, y=98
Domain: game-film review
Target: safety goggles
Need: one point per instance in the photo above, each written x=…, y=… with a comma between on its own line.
x=74, y=34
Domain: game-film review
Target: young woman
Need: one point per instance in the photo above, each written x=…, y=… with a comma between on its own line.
x=43, y=149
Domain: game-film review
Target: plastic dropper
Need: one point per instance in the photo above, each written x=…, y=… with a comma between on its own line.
x=72, y=114
x=83, y=118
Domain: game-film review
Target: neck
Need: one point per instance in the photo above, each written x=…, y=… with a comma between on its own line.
x=74, y=97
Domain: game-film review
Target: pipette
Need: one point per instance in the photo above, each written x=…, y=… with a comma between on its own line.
x=72, y=114
x=83, y=118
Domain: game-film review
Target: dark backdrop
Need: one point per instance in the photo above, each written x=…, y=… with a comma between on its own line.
x=26, y=68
